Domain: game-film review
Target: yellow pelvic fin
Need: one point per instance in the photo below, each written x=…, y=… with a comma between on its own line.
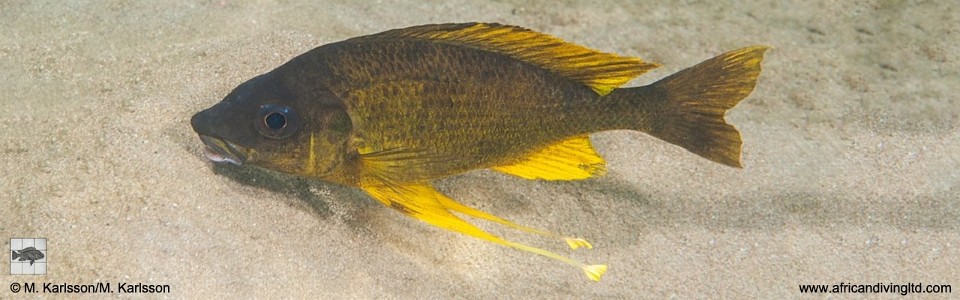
x=571, y=159
x=600, y=71
x=574, y=243
x=426, y=204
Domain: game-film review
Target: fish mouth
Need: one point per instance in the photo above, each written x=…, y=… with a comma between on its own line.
x=219, y=151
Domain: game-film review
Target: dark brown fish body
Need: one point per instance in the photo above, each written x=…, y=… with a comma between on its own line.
x=27, y=254
x=392, y=111
x=472, y=109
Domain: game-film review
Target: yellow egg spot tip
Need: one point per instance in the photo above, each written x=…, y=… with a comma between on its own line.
x=576, y=243
x=595, y=271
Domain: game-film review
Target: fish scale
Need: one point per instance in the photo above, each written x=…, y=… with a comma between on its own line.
x=453, y=113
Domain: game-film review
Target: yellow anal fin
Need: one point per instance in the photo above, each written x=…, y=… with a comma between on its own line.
x=425, y=203
x=571, y=159
x=600, y=71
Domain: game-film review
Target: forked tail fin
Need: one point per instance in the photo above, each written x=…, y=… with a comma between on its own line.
x=690, y=104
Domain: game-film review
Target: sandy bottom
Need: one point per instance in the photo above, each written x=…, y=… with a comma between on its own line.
x=851, y=148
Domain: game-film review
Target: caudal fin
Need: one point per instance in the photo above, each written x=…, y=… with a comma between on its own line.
x=692, y=104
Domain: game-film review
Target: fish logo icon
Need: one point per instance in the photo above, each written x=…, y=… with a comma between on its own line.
x=28, y=253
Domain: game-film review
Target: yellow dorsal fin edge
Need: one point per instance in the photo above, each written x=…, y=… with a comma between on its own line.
x=600, y=71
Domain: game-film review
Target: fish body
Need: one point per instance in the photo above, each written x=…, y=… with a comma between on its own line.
x=392, y=111
x=28, y=253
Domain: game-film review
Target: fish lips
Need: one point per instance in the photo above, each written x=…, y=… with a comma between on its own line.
x=219, y=151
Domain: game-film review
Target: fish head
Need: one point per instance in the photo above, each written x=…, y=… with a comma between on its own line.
x=278, y=124
x=34, y=255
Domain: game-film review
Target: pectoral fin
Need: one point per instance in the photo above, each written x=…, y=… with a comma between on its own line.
x=571, y=159
x=399, y=164
x=424, y=203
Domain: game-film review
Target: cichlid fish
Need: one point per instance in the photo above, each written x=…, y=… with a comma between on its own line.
x=28, y=253
x=391, y=112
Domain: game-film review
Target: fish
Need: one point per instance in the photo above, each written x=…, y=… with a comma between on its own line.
x=391, y=112
x=28, y=253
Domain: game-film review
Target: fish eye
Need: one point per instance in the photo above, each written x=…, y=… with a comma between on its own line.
x=277, y=121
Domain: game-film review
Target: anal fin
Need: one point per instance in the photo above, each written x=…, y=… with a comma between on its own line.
x=570, y=159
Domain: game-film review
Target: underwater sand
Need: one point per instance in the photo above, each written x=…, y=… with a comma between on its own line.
x=851, y=153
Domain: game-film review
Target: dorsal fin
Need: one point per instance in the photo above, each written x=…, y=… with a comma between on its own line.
x=600, y=71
